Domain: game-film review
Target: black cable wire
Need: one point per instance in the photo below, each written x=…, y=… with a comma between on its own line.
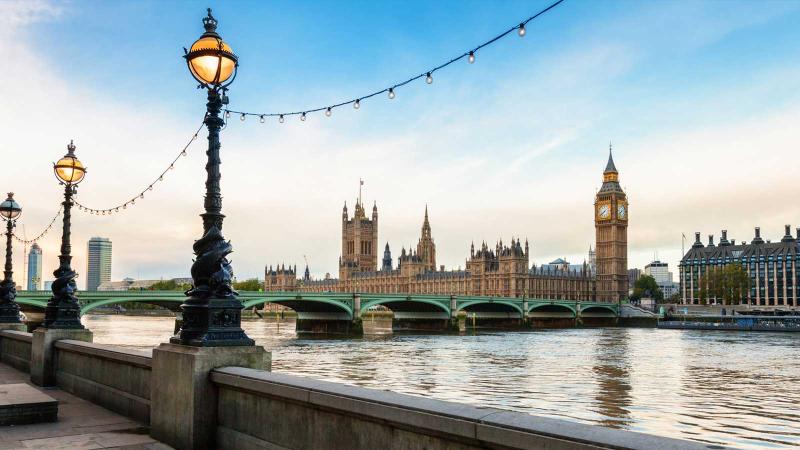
x=403, y=83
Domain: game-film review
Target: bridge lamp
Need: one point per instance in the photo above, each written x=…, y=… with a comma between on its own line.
x=63, y=310
x=212, y=310
x=9, y=310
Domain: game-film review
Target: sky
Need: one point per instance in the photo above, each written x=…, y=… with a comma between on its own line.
x=700, y=101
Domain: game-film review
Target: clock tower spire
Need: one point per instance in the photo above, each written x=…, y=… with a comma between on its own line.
x=611, y=231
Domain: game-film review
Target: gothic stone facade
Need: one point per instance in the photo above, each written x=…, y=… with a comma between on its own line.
x=500, y=271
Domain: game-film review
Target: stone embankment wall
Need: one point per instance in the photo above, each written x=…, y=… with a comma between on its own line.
x=112, y=377
x=15, y=349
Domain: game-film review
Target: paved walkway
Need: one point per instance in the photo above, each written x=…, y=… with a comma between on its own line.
x=81, y=425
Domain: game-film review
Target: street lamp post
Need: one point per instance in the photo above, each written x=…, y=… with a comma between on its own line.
x=9, y=309
x=63, y=310
x=212, y=311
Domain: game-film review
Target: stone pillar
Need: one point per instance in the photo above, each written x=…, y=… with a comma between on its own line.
x=453, y=306
x=785, y=297
x=794, y=283
x=356, y=306
x=43, y=370
x=183, y=401
x=758, y=283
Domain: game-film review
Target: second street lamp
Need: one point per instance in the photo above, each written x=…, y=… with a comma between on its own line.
x=212, y=311
x=63, y=310
x=9, y=309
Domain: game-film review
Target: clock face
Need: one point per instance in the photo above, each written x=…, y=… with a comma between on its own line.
x=622, y=212
x=604, y=211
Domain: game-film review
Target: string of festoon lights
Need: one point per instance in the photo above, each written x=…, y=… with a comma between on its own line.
x=140, y=195
x=43, y=233
x=391, y=91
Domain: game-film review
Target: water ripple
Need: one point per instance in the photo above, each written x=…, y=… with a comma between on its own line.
x=731, y=388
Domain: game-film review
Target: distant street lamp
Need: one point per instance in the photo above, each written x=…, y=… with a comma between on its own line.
x=212, y=311
x=9, y=310
x=63, y=310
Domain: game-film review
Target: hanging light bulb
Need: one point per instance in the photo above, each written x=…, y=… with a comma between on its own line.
x=227, y=114
x=141, y=195
x=429, y=78
x=471, y=57
x=391, y=93
x=116, y=209
x=521, y=31
x=262, y=120
x=161, y=178
x=183, y=153
x=171, y=166
x=150, y=188
x=303, y=117
x=280, y=119
x=357, y=104
x=125, y=206
x=241, y=117
x=328, y=111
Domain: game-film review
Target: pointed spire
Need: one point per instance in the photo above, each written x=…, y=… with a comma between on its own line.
x=610, y=167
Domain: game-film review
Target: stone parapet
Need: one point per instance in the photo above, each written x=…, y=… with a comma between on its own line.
x=113, y=377
x=259, y=409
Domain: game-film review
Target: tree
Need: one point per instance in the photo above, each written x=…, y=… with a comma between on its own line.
x=252, y=284
x=169, y=285
x=646, y=286
x=728, y=284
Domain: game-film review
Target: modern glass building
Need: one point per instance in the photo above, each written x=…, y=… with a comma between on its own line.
x=35, y=268
x=98, y=262
x=771, y=266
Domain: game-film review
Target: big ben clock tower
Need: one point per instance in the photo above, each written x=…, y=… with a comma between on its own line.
x=611, y=230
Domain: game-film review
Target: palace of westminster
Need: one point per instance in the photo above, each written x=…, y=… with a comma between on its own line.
x=500, y=271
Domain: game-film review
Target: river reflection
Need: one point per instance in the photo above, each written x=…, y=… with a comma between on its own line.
x=733, y=388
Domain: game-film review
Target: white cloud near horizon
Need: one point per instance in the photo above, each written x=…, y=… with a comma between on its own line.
x=530, y=168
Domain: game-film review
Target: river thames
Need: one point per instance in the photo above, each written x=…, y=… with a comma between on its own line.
x=733, y=388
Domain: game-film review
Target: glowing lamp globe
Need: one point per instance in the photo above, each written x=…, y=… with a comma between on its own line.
x=69, y=169
x=211, y=61
x=10, y=209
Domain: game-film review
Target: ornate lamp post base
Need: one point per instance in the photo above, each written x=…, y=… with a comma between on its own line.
x=212, y=323
x=9, y=309
x=212, y=314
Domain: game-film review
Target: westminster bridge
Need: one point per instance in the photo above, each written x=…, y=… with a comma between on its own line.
x=346, y=312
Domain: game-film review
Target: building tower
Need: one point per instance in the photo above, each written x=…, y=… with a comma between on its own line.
x=426, y=248
x=359, y=241
x=35, y=268
x=387, y=258
x=98, y=262
x=611, y=231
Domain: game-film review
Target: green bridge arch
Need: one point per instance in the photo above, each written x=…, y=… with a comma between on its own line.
x=155, y=300
x=290, y=301
x=406, y=299
x=612, y=309
x=517, y=306
x=535, y=306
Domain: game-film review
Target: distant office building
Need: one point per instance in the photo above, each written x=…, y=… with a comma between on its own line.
x=660, y=272
x=633, y=277
x=35, y=268
x=772, y=267
x=128, y=284
x=98, y=262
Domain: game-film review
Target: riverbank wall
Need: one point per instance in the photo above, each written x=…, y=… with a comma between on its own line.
x=257, y=409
